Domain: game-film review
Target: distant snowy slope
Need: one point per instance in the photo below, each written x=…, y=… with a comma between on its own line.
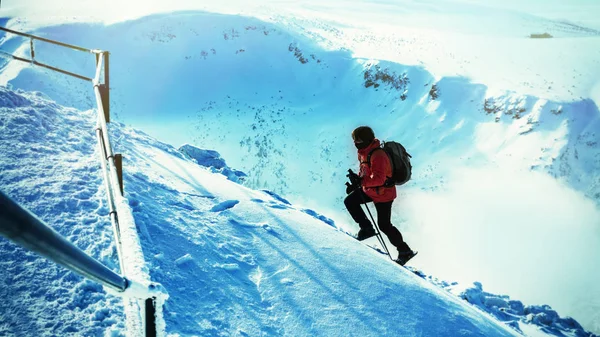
x=235, y=261
x=505, y=160
x=448, y=37
x=266, y=94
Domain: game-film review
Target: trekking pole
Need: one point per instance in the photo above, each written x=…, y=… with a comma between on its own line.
x=379, y=237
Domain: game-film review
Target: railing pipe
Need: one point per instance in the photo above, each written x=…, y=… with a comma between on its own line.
x=107, y=80
x=31, y=50
x=25, y=229
x=112, y=168
x=114, y=193
x=51, y=41
x=81, y=77
x=99, y=62
x=111, y=205
x=34, y=62
x=114, y=177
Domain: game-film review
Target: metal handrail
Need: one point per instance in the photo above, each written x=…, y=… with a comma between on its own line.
x=34, y=62
x=25, y=229
x=32, y=53
x=153, y=292
x=94, y=51
x=111, y=205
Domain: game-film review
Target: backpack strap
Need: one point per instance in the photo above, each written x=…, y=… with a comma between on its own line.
x=388, y=182
x=368, y=162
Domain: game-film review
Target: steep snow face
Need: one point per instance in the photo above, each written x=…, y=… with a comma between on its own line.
x=478, y=151
x=271, y=267
x=235, y=261
x=49, y=165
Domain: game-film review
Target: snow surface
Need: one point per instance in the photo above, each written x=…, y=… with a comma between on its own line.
x=49, y=166
x=212, y=159
x=234, y=261
x=506, y=157
x=540, y=320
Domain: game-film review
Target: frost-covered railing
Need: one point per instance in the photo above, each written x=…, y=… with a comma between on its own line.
x=25, y=229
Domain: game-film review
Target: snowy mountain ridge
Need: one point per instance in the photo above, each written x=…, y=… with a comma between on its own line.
x=491, y=116
x=195, y=227
x=298, y=91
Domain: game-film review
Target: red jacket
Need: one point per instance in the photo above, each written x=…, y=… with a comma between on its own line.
x=375, y=175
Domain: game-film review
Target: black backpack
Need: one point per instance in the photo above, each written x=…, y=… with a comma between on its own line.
x=400, y=160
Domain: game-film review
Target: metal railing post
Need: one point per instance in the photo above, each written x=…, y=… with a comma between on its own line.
x=106, y=96
x=111, y=205
x=150, y=317
x=113, y=183
x=31, y=50
x=119, y=165
x=114, y=177
x=112, y=173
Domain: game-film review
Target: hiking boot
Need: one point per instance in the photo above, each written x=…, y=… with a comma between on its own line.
x=364, y=234
x=405, y=256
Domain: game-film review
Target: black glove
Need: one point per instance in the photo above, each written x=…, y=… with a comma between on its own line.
x=351, y=188
x=354, y=178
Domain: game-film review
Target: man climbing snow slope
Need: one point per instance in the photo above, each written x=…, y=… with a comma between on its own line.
x=371, y=185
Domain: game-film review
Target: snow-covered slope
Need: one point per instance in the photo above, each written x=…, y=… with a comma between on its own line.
x=448, y=37
x=510, y=115
x=213, y=160
x=234, y=261
x=279, y=106
x=48, y=164
x=530, y=320
x=304, y=97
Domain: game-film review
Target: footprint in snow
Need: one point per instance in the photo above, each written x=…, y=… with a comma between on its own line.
x=277, y=197
x=228, y=266
x=224, y=205
x=278, y=206
x=186, y=259
x=286, y=281
x=273, y=204
x=242, y=223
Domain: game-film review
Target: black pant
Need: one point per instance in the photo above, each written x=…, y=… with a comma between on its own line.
x=384, y=215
